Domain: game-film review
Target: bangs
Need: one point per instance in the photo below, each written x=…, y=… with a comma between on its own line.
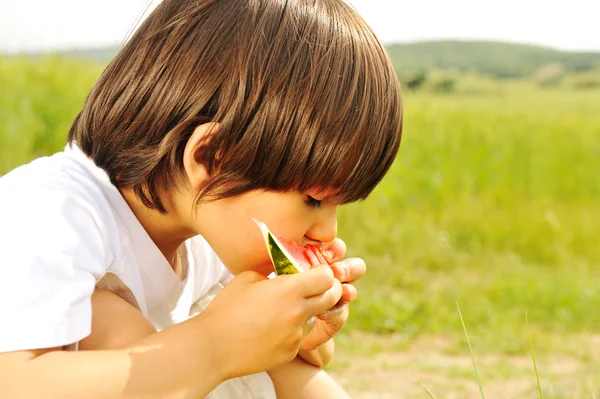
x=329, y=116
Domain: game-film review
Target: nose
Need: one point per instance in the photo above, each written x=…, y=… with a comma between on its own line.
x=324, y=229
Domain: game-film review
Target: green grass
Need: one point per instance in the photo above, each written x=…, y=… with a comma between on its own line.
x=535, y=368
x=492, y=203
x=431, y=395
x=477, y=377
x=38, y=103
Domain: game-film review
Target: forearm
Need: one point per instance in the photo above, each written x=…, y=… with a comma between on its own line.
x=174, y=363
x=299, y=380
x=319, y=357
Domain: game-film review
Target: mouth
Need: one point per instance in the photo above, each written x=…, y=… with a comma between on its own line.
x=309, y=242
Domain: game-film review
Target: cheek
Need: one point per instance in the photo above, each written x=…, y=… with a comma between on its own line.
x=248, y=255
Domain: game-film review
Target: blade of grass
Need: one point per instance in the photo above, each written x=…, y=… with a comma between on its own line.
x=537, y=376
x=431, y=395
x=471, y=351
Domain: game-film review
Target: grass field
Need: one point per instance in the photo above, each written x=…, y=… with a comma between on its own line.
x=493, y=203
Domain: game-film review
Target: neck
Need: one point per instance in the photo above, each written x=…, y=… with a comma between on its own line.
x=166, y=230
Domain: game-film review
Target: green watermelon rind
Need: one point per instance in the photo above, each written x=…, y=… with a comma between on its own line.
x=283, y=262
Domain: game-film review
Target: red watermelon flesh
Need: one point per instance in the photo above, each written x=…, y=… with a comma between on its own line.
x=289, y=257
x=307, y=256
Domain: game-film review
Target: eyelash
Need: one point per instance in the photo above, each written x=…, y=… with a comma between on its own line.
x=313, y=203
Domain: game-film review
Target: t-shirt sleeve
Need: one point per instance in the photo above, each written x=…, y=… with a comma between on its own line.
x=52, y=252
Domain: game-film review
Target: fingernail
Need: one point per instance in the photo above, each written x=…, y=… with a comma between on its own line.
x=334, y=310
x=345, y=270
x=328, y=254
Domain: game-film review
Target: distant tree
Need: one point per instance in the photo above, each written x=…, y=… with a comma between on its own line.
x=416, y=81
x=587, y=80
x=587, y=84
x=446, y=85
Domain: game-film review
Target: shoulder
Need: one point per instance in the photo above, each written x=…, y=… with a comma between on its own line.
x=60, y=175
x=53, y=202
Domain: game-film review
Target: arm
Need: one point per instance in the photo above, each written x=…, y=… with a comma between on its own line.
x=188, y=359
x=300, y=380
x=157, y=366
x=319, y=357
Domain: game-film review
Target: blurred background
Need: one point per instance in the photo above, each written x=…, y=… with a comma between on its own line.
x=492, y=204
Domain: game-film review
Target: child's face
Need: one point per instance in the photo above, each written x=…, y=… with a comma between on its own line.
x=228, y=227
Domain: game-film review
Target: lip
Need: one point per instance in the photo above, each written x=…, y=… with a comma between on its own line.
x=318, y=244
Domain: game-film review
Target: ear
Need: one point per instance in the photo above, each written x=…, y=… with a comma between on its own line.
x=195, y=171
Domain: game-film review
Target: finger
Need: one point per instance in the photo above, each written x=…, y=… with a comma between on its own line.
x=321, y=303
x=349, y=293
x=334, y=251
x=315, y=281
x=336, y=315
x=349, y=270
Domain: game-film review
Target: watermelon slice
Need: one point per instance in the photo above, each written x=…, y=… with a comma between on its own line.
x=290, y=257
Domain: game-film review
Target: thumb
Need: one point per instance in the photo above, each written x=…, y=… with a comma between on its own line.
x=334, y=251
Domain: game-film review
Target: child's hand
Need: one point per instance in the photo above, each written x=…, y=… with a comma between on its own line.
x=346, y=271
x=256, y=323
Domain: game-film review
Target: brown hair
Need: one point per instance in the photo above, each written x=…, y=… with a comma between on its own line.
x=304, y=94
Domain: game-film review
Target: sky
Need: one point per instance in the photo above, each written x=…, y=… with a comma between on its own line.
x=49, y=25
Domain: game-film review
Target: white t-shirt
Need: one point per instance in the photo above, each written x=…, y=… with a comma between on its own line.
x=65, y=229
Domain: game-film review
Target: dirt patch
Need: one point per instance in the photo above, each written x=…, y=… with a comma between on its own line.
x=380, y=368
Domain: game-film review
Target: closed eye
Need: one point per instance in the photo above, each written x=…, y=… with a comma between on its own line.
x=313, y=203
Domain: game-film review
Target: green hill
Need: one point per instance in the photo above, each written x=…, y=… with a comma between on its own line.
x=499, y=59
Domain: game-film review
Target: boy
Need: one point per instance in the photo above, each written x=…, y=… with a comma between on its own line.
x=214, y=113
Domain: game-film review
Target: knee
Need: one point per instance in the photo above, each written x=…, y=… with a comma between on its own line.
x=115, y=323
